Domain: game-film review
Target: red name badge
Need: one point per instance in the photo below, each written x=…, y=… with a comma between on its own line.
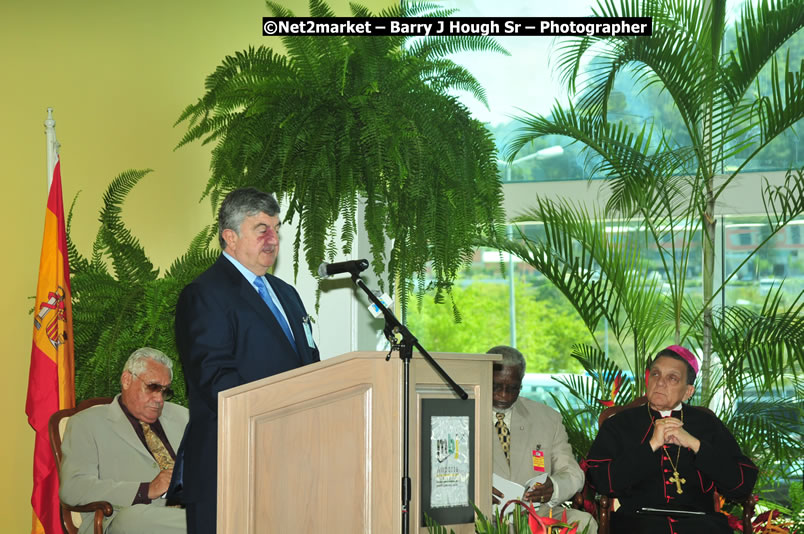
x=538, y=461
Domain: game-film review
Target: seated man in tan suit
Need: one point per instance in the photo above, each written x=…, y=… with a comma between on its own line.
x=530, y=440
x=123, y=452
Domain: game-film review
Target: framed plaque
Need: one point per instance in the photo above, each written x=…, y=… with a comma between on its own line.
x=447, y=460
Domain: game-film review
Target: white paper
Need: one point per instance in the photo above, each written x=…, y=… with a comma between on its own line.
x=513, y=490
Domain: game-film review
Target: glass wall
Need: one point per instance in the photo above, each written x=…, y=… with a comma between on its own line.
x=506, y=302
x=788, y=149
x=526, y=83
x=781, y=258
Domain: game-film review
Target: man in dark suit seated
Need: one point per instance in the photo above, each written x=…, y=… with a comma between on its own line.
x=235, y=323
x=665, y=458
x=123, y=452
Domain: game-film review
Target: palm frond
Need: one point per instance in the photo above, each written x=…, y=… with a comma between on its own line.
x=765, y=343
x=592, y=390
x=761, y=30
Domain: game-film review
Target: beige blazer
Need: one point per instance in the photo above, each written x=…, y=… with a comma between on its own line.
x=104, y=460
x=536, y=426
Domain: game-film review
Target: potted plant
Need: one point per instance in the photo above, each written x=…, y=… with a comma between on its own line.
x=347, y=121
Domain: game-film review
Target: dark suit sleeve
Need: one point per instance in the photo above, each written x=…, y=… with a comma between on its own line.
x=721, y=460
x=205, y=336
x=613, y=467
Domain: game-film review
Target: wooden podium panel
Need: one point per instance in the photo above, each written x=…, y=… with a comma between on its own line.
x=330, y=432
x=319, y=448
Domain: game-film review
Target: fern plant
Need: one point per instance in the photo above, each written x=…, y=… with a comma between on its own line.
x=343, y=120
x=120, y=301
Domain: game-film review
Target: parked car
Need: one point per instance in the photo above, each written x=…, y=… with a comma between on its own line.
x=539, y=386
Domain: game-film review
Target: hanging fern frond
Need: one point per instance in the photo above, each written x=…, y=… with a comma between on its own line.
x=348, y=121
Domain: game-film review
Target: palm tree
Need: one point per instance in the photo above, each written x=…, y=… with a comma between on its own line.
x=666, y=191
x=650, y=176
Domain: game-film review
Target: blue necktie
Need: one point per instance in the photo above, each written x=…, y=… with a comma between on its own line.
x=263, y=291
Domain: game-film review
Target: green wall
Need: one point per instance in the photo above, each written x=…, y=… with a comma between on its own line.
x=117, y=74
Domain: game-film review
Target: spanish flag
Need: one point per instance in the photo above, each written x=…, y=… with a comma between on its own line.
x=51, y=379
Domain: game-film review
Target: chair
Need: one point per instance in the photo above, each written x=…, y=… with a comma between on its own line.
x=71, y=515
x=606, y=503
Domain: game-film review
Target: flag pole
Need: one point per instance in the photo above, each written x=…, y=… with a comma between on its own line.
x=52, y=146
x=51, y=378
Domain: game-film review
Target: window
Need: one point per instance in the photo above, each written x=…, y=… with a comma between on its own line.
x=778, y=259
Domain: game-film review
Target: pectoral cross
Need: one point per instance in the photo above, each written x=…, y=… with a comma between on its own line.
x=679, y=481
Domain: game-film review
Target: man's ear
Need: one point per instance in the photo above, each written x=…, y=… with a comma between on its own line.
x=125, y=380
x=688, y=393
x=229, y=237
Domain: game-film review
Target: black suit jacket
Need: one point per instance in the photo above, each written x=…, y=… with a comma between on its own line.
x=227, y=336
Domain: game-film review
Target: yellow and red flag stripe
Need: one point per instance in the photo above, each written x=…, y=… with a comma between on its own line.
x=51, y=379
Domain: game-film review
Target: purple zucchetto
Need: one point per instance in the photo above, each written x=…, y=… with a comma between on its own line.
x=688, y=356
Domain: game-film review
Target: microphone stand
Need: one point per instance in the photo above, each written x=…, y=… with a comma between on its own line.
x=401, y=339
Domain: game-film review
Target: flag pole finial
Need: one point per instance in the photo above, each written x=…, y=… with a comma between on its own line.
x=52, y=146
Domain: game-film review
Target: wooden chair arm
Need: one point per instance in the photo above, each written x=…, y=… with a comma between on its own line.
x=100, y=506
x=748, y=504
x=577, y=500
x=604, y=514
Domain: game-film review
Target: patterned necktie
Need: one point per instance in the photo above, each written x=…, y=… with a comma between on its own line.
x=157, y=448
x=504, y=435
x=263, y=291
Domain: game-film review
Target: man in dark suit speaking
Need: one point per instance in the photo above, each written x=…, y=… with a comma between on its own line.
x=234, y=324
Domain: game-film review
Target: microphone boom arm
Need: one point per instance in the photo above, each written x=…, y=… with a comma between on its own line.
x=405, y=348
x=393, y=325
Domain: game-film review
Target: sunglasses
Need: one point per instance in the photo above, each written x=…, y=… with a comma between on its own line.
x=153, y=387
x=508, y=389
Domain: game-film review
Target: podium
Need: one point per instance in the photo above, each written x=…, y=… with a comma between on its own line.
x=319, y=448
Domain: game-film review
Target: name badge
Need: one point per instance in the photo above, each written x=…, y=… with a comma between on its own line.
x=538, y=461
x=308, y=331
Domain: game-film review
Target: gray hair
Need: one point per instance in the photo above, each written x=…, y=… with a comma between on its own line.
x=136, y=362
x=510, y=357
x=242, y=203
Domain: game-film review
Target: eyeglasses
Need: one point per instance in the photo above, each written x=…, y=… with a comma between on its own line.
x=509, y=389
x=153, y=387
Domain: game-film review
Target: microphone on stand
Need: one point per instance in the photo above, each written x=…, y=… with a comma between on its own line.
x=326, y=270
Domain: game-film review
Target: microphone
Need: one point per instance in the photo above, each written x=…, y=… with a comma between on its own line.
x=352, y=267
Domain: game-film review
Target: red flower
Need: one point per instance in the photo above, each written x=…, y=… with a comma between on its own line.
x=539, y=524
x=618, y=380
x=734, y=522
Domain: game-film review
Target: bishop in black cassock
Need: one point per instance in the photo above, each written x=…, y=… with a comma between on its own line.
x=668, y=455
